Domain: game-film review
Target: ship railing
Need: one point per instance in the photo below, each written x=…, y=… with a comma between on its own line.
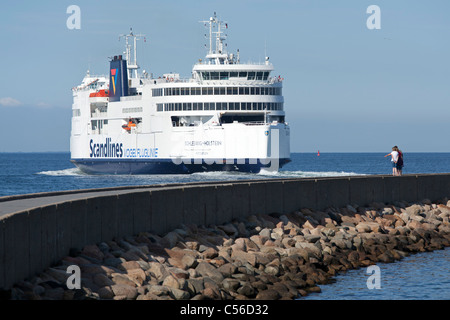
x=276, y=79
x=254, y=123
x=240, y=82
x=169, y=80
x=92, y=85
x=99, y=114
x=270, y=80
x=212, y=62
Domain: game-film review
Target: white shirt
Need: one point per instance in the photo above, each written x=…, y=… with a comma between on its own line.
x=394, y=155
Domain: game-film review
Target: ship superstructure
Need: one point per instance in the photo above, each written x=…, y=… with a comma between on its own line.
x=228, y=116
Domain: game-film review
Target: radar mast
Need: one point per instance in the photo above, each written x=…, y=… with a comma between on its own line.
x=217, y=55
x=132, y=64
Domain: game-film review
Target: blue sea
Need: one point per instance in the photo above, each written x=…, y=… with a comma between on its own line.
x=423, y=276
x=22, y=173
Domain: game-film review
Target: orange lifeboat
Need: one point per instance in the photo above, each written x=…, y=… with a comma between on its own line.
x=127, y=127
x=100, y=94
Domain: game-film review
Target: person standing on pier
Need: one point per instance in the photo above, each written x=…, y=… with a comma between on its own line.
x=394, y=158
x=399, y=164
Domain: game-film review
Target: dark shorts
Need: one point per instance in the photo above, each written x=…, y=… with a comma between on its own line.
x=394, y=165
x=399, y=166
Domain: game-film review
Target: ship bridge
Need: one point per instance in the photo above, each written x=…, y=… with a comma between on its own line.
x=220, y=65
x=236, y=72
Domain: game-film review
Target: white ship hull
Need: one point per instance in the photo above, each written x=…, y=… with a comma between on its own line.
x=230, y=147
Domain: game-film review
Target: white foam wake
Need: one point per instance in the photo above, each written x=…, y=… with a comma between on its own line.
x=225, y=174
x=65, y=172
x=306, y=174
x=270, y=173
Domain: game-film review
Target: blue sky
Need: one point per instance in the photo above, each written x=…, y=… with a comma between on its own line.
x=346, y=88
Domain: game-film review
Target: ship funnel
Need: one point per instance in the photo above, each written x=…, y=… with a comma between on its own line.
x=118, y=79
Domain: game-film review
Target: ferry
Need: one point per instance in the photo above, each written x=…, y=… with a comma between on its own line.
x=228, y=116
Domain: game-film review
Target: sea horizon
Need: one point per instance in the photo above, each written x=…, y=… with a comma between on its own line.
x=293, y=152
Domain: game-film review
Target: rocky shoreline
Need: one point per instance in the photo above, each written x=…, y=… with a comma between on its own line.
x=265, y=257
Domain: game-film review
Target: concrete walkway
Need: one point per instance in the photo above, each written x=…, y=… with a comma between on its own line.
x=21, y=203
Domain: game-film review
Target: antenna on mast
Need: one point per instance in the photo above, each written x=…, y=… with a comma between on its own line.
x=132, y=64
x=217, y=55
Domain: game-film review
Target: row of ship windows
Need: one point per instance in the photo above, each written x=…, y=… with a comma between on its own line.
x=132, y=110
x=195, y=106
x=234, y=74
x=268, y=91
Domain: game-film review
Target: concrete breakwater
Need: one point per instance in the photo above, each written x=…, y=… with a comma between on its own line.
x=259, y=256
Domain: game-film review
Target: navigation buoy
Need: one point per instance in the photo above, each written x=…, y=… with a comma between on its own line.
x=318, y=153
